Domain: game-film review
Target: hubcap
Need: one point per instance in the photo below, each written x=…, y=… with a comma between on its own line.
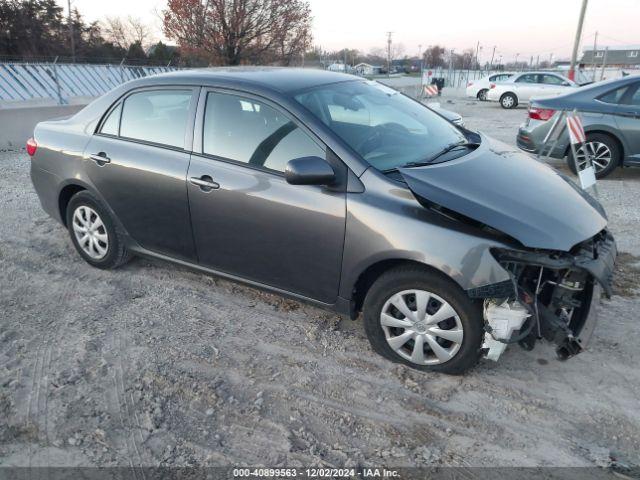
x=507, y=101
x=421, y=327
x=600, y=155
x=90, y=232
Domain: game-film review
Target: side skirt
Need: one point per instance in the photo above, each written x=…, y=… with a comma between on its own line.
x=342, y=306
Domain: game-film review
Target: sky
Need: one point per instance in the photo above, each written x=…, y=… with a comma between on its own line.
x=524, y=27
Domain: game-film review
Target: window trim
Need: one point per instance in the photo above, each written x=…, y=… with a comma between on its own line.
x=198, y=136
x=535, y=75
x=188, y=140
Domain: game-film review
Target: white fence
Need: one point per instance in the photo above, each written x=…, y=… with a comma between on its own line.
x=60, y=82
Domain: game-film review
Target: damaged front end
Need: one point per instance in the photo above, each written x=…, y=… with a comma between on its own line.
x=551, y=295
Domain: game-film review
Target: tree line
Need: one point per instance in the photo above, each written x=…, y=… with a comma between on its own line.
x=207, y=32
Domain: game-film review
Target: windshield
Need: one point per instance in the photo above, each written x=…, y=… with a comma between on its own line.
x=386, y=128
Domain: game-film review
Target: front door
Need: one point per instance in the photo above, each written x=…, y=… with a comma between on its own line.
x=138, y=162
x=247, y=220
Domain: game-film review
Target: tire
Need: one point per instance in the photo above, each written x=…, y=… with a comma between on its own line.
x=509, y=101
x=87, y=217
x=482, y=95
x=601, y=147
x=390, y=289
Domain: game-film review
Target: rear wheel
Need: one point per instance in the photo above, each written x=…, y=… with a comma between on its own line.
x=603, y=150
x=482, y=95
x=93, y=232
x=424, y=320
x=509, y=100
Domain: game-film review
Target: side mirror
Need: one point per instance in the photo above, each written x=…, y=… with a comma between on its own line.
x=309, y=171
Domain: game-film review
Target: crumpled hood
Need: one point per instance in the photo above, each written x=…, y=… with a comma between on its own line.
x=513, y=193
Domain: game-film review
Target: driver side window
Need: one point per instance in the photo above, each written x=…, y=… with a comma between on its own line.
x=248, y=131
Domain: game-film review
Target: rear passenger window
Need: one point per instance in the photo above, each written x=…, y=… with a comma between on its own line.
x=249, y=131
x=614, y=96
x=156, y=116
x=112, y=123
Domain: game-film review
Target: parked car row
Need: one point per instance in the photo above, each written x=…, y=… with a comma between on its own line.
x=513, y=89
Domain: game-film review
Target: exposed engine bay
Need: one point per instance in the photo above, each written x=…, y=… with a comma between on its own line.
x=551, y=295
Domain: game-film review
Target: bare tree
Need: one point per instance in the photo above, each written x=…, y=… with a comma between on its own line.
x=231, y=32
x=124, y=32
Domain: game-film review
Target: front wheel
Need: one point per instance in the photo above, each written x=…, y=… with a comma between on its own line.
x=424, y=320
x=603, y=151
x=509, y=101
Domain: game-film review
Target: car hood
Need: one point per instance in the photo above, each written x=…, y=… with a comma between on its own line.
x=513, y=193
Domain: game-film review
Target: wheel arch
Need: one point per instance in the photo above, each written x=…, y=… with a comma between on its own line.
x=64, y=197
x=371, y=273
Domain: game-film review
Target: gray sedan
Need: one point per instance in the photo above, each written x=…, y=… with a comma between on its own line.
x=336, y=191
x=610, y=112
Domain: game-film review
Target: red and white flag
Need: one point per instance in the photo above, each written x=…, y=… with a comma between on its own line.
x=431, y=90
x=576, y=131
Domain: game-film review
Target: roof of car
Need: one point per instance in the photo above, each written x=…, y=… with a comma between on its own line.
x=275, y=78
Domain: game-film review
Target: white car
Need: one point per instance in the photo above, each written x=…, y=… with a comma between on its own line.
x=522, y=87
x=479, y=88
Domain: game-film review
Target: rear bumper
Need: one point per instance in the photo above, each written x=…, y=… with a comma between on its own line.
x=46, y=185
x=524, y=142
x=530, y=140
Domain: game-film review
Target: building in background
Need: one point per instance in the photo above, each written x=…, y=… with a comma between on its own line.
x=367, y=69
x=618, y=56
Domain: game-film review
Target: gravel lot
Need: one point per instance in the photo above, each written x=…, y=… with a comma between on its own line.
x=153, y=364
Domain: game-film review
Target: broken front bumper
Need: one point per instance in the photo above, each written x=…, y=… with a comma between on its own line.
x=560, y=290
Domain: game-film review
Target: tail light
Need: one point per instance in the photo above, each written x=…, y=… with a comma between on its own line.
x=493, y=85
x=32, y=146
x=543, y=114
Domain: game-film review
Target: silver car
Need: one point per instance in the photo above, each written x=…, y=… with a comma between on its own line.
x=610, y=113
x=337, y=191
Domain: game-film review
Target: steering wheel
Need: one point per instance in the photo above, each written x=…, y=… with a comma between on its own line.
x=378, y=134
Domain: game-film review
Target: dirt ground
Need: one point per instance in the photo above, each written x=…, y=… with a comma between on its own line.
x=153, y=364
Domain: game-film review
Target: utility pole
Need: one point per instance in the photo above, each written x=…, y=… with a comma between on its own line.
x=538, y=62
x=389, y=53
x=604, y=62
x=71, y=36
x=477, y=51
x=550, y=60
x=421, y=58
x=516, y=68
x=593, y=57
x=493, y=53
x=576, y=42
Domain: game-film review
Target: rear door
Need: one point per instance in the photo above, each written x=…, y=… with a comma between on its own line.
x=138, y=161
x=628, y=121
x=526, y=86
x=247, y=220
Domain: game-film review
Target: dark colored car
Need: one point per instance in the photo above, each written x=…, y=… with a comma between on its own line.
x=337, y=191
x=610, y=113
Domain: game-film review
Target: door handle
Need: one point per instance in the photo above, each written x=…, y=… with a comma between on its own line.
x=100, y=158
x=205, y=182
